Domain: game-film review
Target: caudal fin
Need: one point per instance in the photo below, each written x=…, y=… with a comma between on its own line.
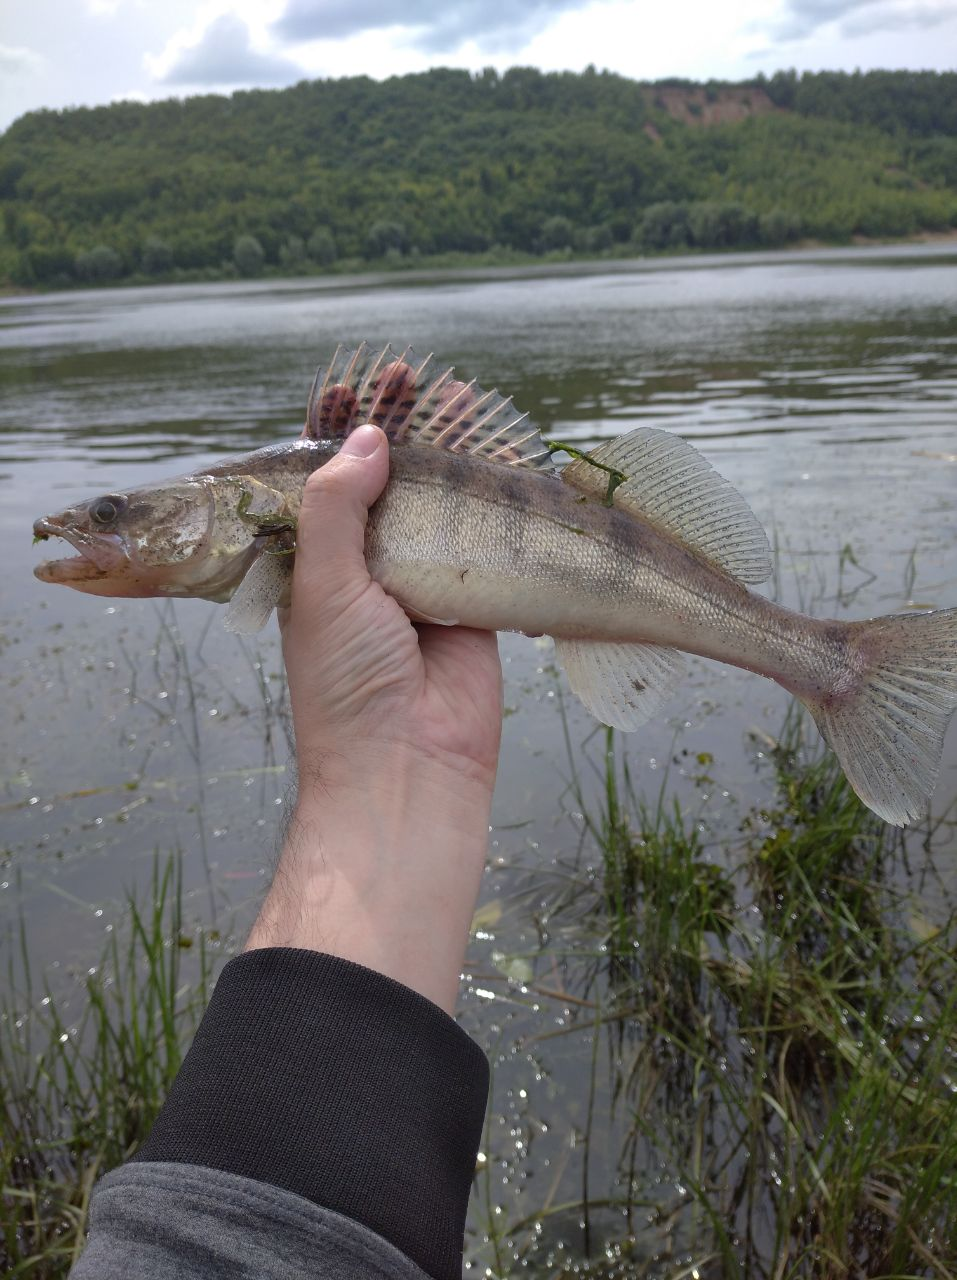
x=887, y=725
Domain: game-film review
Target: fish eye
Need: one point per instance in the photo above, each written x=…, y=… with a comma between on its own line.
x=105, y=510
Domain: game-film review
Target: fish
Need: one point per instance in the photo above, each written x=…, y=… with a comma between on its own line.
x=630, y=556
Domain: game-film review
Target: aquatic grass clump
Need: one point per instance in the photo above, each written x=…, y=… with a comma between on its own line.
x=850, y=1025
x=816, y=837
x=79, y=1094
x=842, y=1100
x=779, y=1062
x=654, y=866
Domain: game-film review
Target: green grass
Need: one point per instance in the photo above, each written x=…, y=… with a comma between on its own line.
x=779, y=1040
x=78, y=1095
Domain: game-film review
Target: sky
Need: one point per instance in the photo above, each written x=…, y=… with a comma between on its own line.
x=60, y=53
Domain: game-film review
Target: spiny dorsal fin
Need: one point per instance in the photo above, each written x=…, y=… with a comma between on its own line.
x=414, y=404
x=669, y=484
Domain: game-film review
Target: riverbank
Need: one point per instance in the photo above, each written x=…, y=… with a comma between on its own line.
x=503, y=266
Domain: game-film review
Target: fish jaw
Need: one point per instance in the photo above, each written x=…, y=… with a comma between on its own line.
x=147, y=542
x=101, y=568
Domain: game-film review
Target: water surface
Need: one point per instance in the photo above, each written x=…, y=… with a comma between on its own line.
x=824, y=386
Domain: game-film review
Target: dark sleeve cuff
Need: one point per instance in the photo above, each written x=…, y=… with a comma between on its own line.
x=334, y=1082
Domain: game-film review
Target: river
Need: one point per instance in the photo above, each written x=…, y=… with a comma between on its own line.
x=823, y=385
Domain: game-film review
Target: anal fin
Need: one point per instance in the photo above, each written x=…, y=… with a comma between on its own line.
x=622, y=685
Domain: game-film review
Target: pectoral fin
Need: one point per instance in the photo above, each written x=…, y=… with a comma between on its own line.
x=417, y=616
x=265, y=587
x=622, y=685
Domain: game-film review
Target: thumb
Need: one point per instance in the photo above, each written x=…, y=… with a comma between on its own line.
x=335, y=505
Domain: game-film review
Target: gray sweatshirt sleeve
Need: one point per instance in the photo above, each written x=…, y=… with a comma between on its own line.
x=325, y=1122
x=162, y=1221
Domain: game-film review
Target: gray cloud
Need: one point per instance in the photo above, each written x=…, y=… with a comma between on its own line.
x=894, y=17
x=437, y=26
x=225, y=56
x=856, y=17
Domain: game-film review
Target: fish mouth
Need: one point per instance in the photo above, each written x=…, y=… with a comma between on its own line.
x=100, y=556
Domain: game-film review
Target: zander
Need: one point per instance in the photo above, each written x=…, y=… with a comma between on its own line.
x=626, y=557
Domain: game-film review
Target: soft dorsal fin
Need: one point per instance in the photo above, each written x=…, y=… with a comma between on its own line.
x=669, y=484
x=415, y=404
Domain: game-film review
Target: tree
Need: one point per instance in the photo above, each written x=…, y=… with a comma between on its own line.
x=157, y=256
x=322, y=247
x=292, y=254
x=594, y=239
x=45, y=264
x=557, y=233
x=383, y=236
x=782, y=87
x=248, y=255
x=663, y=226
x=714, y=225
x=354, y=167
x=779, y=227
x=98, y=263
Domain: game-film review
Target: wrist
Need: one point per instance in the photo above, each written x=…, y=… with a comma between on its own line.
x=393, y=781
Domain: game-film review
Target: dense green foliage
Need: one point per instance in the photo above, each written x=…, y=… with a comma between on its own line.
x=335, y=173
x=918, y=103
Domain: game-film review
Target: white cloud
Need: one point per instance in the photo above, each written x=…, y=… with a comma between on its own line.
x=20, y=69
x=19, y=62
x=131, y=95
x=225, y=56
x=702, y=40
x=223, y=49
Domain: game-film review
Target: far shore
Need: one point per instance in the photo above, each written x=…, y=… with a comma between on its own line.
x=495, y=265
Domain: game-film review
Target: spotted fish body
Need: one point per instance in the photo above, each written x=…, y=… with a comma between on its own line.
x=628, y=557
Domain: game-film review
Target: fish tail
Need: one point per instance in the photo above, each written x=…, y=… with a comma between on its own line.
x=886, y=718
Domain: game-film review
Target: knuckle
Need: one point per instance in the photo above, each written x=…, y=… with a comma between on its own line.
x=330, y=481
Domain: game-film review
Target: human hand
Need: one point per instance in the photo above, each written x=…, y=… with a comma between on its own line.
x=397, y=733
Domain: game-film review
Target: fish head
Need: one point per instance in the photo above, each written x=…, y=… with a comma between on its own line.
x=155, y=541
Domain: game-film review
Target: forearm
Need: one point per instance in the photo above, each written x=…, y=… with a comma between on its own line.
x=383, y=875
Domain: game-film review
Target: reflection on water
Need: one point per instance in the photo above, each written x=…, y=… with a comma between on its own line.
x=825, y=388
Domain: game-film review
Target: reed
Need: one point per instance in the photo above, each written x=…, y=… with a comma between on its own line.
x=79, y=1091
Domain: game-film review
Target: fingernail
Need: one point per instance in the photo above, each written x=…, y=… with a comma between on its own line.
x=361, y=443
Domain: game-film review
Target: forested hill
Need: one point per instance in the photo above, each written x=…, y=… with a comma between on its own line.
x=337, y=174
